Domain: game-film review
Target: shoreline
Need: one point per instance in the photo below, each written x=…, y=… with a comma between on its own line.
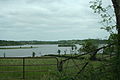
x=19, y=48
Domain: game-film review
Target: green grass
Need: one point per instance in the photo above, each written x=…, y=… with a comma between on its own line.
x=47, y=72
x=31, y=62
x=51, y=71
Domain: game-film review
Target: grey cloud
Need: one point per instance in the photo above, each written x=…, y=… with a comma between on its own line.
x=71, y=18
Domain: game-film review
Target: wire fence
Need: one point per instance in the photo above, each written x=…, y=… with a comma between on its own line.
x=26, y=67
x=29, y=68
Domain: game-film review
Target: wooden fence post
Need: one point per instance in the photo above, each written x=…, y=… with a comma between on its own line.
x=23, y=68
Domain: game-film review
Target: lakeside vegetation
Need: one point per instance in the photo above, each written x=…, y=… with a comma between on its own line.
x=66, y=45
x=67, y=42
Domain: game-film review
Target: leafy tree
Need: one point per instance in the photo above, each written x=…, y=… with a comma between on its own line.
x=89, y=47
x=111, y=23
x=111, y=49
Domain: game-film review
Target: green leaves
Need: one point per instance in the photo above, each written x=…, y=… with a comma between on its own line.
x=88, y=46
x=105, y=13
x=97, y=6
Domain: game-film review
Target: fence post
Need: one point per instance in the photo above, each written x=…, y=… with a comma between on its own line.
x=23, y=68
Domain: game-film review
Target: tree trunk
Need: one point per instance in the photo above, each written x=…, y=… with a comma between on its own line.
x=116, y=5
x=93, y=56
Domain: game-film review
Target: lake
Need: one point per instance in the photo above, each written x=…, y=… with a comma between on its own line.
x=39, y=51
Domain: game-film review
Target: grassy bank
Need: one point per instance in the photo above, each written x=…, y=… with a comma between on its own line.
x=44, y=68
x=34, y=68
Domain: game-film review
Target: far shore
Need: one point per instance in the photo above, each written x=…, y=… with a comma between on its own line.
x=19, y=47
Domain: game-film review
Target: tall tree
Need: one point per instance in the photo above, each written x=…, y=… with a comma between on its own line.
x=116, y=5
x=107, y=18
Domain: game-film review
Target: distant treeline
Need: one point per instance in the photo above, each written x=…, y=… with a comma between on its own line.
x=12, y=43
x=98, y=41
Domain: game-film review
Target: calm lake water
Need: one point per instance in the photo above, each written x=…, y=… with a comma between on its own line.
x=39, y=51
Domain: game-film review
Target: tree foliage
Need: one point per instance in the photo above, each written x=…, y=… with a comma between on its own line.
x=110, y=22
x=88, y=46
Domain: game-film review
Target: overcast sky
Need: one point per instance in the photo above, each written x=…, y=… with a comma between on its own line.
x=49, y=20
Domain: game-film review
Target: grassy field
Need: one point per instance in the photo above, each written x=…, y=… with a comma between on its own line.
x=34, y=68
x=41, y=68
